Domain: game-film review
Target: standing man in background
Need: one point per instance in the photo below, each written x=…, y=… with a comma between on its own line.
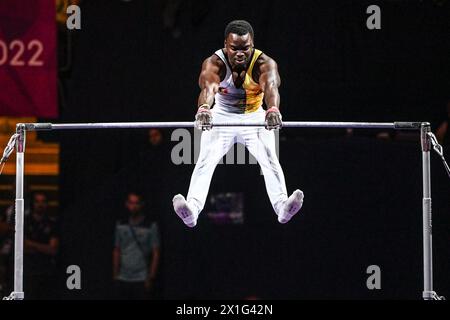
x=136, y=252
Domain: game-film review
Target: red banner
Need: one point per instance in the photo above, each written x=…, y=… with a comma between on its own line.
x=28, y=59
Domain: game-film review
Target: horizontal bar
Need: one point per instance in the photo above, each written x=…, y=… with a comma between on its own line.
x=355, y=125
x=122, y=125
x=286, y=124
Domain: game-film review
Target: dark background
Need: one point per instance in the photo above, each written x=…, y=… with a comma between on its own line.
x=363, y=196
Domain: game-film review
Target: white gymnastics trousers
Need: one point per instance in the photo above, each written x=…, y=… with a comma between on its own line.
x=215, y=143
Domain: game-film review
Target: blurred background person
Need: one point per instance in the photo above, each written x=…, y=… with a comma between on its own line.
x=136, y=252
x=41, y=244
x=6, y=233
x=443, y=130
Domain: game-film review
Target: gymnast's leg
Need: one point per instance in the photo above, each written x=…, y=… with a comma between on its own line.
x=261, y=144
x=214, y=145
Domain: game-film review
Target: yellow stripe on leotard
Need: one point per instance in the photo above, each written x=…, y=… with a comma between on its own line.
x=253, y=92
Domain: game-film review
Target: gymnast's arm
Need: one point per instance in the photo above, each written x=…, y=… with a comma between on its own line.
x=269, y=80
x=209, y=80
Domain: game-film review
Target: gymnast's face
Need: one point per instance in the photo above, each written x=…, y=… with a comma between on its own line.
x=239, y=50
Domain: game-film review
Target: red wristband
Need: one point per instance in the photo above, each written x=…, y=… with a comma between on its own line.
x=204, y=106
x=201, y=110
x=273, y=109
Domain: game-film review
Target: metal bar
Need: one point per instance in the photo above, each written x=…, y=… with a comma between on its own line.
x=286, y=124
x=428, y=293
x=19, y=216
